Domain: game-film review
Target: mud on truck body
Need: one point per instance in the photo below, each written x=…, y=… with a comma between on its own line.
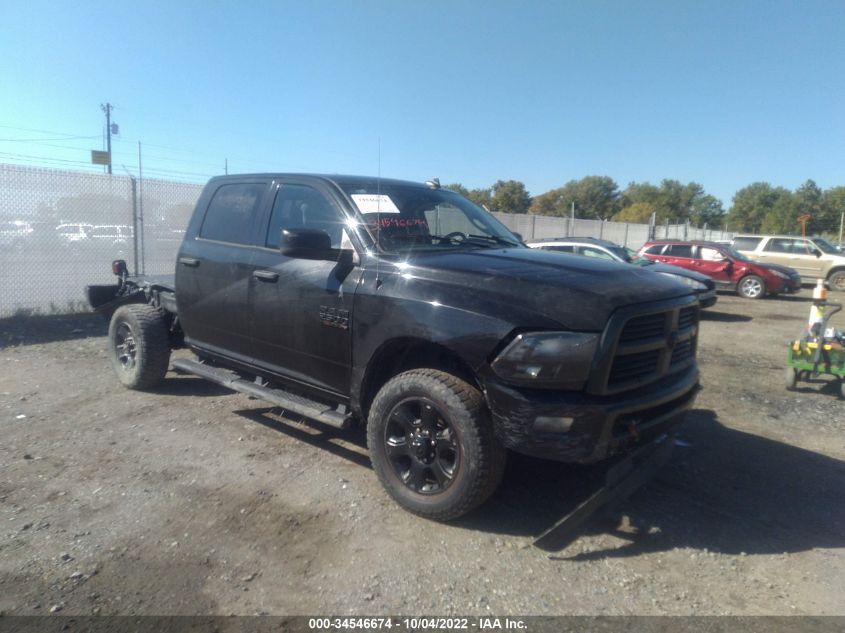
x=406, y=308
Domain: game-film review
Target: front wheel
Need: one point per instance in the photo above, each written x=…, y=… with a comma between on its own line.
x=140, y=345
x=791, y=378
x=432, y=445
x=751, y=287
x=837, y=281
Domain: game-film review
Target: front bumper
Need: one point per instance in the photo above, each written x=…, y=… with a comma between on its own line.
x=576, y=427
x=789, y=286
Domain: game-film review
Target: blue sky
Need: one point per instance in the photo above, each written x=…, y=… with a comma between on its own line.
x=722, y=93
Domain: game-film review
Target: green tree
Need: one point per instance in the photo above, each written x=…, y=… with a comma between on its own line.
x=643, y=194
x=550, y=203
x=594, y=197
x=782, y=217
x=673, y=201
x=481, y=197
x=753, y=203
x=639, y=213
x=833, y=202
x=510, y=196
x=809, y=200
x=458, y=188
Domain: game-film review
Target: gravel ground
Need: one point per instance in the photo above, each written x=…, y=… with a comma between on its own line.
x=194, y=500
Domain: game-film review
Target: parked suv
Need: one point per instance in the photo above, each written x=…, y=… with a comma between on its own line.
x=703, y=286
x=813, y=257
x=724, y=265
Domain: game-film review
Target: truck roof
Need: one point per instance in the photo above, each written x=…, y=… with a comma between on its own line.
x=338, y=179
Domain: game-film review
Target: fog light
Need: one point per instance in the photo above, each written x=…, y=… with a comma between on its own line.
x=549, y=424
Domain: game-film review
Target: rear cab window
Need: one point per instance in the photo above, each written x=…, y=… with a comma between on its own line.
x=231, y=213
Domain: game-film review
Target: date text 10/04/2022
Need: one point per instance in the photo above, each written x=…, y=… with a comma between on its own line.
x=416, y=624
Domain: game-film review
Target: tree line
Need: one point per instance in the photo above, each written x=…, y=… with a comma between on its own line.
x=757, y=208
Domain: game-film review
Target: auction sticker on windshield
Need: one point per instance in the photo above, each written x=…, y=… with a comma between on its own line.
x=374, y=203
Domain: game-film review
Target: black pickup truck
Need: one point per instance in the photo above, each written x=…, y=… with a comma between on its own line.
x=406, y=308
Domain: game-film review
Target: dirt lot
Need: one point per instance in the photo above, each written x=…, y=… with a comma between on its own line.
x=193, y=500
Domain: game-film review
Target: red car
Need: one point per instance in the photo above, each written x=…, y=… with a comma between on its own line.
x=728, y=268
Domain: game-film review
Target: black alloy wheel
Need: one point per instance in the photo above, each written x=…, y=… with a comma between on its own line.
x=422, y=446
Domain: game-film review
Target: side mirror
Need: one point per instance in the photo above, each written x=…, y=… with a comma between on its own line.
x=518, y=236
x=305, y=243
x=818, y=253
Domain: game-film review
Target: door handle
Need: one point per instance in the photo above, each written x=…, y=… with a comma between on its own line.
x=189, y=261
x=266, y=275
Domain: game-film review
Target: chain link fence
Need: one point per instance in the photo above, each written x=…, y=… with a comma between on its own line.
x=59, y=231
x=538, y=227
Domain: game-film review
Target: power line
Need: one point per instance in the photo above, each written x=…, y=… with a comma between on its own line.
x=39, y=140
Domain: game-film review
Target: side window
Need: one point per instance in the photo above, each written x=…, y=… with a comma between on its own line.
x=803, y=247
x=710, y=254
x=746, y=243
x=559, y=249
x=654, y=250
x=595, y=252
x=230, y=213
x=679, y=250
x=777, y=245
x=302, y=207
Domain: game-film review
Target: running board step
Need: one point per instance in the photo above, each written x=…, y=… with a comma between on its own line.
x=288, y=401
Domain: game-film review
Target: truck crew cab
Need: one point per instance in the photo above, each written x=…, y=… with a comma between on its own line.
x=408, y=309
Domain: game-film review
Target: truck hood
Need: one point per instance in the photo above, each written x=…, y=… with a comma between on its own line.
x=579, y=293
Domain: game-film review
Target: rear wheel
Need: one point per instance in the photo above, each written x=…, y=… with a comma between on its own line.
x=751, y=287
x=140, y=345
x=432, y=444
x=837, y=281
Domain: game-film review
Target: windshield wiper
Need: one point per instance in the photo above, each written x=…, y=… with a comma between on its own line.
x=495, y=238
x=465, y=238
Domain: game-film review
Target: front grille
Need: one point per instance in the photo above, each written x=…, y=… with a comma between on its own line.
x=632, y=366
x=688, y=317
x=643, y=344
x=646, y=326
x=682, y=352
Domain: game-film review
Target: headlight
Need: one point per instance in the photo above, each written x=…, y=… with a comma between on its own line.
x=548, y=359
x=780, y=274
x=692, y=283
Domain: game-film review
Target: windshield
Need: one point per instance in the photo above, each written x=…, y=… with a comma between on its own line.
x=403, y=218
x=633, y=258
x=825, y=246
x=735, y=254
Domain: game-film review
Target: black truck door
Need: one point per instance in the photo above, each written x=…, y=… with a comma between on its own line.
x=213, y=269
x=301, y=308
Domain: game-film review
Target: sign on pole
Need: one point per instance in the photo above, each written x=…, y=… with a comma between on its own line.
x=99, y=158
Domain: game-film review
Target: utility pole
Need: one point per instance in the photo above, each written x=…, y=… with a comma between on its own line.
x=107, y=108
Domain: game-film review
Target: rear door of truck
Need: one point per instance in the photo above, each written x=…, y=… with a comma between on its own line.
x=213, y=268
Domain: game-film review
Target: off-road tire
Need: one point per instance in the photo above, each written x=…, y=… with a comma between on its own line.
x=751, y=287
x=139, y=345
x=792, y=376
x=458, y=406
x=836, y=281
